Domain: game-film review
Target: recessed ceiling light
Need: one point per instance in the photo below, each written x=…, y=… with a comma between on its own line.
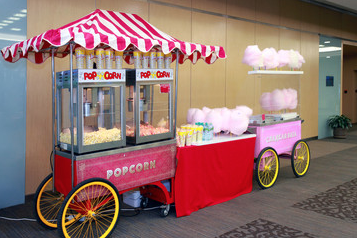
x=19, y=15
x=0, y=27
x=329, y=49
x=7, y=21
x=24, y=11
x=15, y=29
x=328, y=57
x=3, y=24
x=327, y=42
x=321, y=45
x=13, y=18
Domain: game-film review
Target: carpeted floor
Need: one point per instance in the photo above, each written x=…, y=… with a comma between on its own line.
x=321, y=204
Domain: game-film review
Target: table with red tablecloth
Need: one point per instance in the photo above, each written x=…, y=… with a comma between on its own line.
x=213, y=172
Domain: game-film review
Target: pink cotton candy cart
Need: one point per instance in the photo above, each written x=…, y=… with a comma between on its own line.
x=278, y=139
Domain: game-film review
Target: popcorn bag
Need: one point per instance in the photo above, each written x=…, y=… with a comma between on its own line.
x=168, y=60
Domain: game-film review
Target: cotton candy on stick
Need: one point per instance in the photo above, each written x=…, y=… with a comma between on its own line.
x=253, y=57
x=270, y=58
x=283, y=56
x=294, y=100
x=277, y=100
x=190, y=113
x=265, y=101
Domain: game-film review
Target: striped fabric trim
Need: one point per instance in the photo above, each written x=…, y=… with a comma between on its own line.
x=117, y=30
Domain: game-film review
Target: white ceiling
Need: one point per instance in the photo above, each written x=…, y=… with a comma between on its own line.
x=349, y=5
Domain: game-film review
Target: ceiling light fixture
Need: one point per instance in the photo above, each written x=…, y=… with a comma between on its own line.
x=19, y=15
x=15, y=29
x=330, y=49
x=24, y=11
x=3, y=24
x=327, y=42
x=7, y=21
x=14, y=18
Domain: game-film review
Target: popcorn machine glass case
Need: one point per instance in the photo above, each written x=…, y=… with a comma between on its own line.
x=149, y=105
x=277, y=95
x=98, y=106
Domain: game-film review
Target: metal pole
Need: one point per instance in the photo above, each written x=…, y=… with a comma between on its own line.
x=176, y=89
x=53, y=116
x=71, y=111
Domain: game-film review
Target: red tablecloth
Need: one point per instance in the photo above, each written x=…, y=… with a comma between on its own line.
x=210, y=174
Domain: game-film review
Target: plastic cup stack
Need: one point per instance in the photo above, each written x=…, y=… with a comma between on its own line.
x=168, y=60
x=137, y=59
x=100, y=58
x=152, y=59
x=108, y=58
x=160, y=60
x=89, y=58
x=118, y=59
x=146, y=58
x=80, y=55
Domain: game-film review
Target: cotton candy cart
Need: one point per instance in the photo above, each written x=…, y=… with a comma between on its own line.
x=101, y=117
x=277, y=128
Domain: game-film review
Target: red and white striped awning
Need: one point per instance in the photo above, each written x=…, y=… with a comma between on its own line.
x=101, y=28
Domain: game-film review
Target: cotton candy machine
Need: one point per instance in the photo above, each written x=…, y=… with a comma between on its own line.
x=149, y=107
x=98, y=105
x=277, y=95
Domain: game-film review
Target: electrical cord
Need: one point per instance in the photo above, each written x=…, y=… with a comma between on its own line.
x=137, y=212
x=17, y=219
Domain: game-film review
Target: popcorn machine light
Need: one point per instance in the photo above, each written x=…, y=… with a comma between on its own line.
x=149, y=115
x=98, y=109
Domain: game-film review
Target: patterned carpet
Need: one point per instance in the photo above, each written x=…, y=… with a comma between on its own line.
x=339, y=202
x=265, y=229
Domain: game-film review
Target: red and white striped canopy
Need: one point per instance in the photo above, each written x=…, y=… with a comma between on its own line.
x=101, y=28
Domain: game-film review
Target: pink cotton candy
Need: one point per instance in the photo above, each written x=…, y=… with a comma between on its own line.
x=287, y=97
x=265, y=101
x=198, y=116
x=294, y=99
x=270, y=58
x=245, y=110
x=283, y=56
x=206, y=110
x=253, y=56
x=215, y=118
x=238, y=122
x=190, y=113
x=301, y=59
x=277, y=100
x=226, y=115
x=293, y=59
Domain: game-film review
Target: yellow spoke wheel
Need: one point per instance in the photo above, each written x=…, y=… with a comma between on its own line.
x=97, y=202
x=267, y=168
x=47, y=203
x=300, y=158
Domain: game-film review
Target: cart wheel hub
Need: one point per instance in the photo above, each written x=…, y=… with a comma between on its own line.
x=300, y=157
x=90, y=214
x=267, y=167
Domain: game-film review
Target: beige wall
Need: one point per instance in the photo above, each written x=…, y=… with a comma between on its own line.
x=225, y=83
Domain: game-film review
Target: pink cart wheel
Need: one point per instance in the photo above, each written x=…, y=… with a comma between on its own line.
x=267, y=168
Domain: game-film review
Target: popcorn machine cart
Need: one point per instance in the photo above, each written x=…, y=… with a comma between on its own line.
x=113, y=129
